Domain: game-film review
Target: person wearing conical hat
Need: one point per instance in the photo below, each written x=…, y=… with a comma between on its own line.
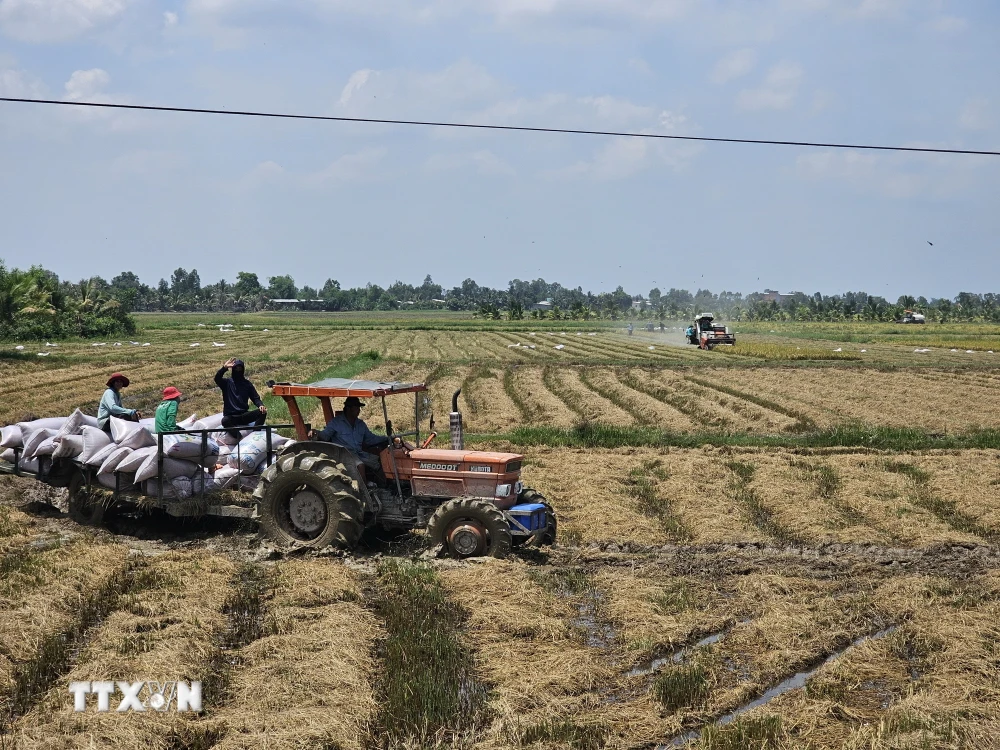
x=111, y=404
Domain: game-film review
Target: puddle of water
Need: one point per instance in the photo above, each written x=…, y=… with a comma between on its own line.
x=680, y=655
x=797, y=680
x=598, y=634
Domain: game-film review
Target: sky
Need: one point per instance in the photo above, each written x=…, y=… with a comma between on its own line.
x=87, y=192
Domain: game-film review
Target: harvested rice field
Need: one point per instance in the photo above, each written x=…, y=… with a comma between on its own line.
x=755, y=550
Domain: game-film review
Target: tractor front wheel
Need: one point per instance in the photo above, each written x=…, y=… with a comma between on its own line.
x=470, y=528
x=309, y=500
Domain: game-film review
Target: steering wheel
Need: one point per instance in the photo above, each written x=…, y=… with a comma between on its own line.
x=429, y=440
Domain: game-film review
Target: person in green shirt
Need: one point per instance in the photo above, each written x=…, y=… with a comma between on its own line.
x=166, y=412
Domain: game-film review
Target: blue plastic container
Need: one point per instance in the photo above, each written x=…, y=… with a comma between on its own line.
x=530, y=515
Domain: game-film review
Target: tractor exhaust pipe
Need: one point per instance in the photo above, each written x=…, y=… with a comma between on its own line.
x=457, y=441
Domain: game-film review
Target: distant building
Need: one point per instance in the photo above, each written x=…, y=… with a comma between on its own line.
x=295, y=304
x=546, y=304
x=770, y=295
x=639, y=304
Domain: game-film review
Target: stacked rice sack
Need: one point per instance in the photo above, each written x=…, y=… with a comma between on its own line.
x=189, y=463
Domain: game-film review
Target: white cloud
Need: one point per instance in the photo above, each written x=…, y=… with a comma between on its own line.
x=734, y=65
x=356, y=167
x=86, y=84
x=879, y=8
x=897, y=176
x=622, y=157
x=457, y=90
x=169, y=19
x=146, y=163
x=56, y=20
x=483, y=162
x=18, y=84
x=977, y=114
x=778, y=90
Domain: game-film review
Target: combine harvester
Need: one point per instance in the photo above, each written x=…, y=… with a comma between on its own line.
x=306, y=493
x=909, y=316
x=704, y=334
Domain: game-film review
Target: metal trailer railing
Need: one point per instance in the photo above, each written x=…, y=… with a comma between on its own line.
x=44, y=471
x=268, y=459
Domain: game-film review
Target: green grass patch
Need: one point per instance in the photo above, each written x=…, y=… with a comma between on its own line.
x=676, y=597
x=922, y=495
x=670, y=396
x=757, y=512
x=758, y=733
x=804, y=422
x=565, y=732
x=594, y=435
x=427, y=687
x=681, y=686
x=31, y=679
x=641, y=484
x=510, y=388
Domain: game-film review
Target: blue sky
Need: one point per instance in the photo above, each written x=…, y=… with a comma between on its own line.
x=86, y=192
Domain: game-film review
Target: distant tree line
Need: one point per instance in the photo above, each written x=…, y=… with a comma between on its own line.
x=35, y=304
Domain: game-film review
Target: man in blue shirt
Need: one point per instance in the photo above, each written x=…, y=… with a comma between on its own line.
x=349, y=430
x=111, y=404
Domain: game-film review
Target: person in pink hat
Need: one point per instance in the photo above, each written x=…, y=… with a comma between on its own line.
x=166, y=412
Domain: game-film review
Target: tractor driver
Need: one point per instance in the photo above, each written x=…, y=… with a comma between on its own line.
x=349, y=430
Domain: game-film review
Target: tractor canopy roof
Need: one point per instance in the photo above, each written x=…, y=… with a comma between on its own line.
x=705, y=316
x=344, y=387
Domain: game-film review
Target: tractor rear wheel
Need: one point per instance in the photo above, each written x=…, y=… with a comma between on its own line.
x=546, y=537
x=470, y=528
x=85, y=507
x=309, y=500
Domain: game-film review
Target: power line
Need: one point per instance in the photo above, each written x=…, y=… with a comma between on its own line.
x=521, y=128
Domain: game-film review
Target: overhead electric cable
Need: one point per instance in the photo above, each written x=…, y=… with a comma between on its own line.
x=476, y=126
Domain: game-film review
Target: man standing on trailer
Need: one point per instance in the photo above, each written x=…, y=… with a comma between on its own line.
x=237, y=394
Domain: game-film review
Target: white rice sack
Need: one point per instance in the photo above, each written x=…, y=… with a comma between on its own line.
x=35, y=438
x=188, y=424
x=107, y=480
x=172, y=468
x=123, y=429
x=198, y=480
x=182, y=487
x=68, y=446
x=190, y=446
x=46, y=448
x=7, y=455
x=175, y=489
x=99, y=457
x=135, y=459
x=224, y=438
x=10, y=437
x=130, y=434
x=212, y=421
x=51, y=423
x=227, y=476
x=114, y=458
x=148, y=422
x=252, y=451
x=73, y=425
x=28, y=464
x=94, y=439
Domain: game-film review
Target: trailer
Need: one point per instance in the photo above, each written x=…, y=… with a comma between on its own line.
x=90, y=499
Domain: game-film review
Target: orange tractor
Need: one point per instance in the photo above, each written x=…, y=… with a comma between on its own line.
x=472, y=503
